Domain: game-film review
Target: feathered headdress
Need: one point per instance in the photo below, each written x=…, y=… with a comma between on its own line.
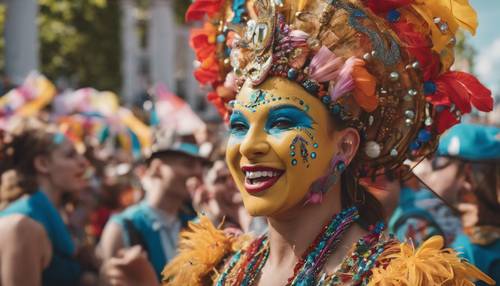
x=382, y=66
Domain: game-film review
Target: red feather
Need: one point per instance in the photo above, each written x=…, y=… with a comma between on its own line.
x=199, y=8
x=209, y=74
x=419, y=46
x=439, y=98
x=217, y=101
x=445, y=120
x=464, y=89
x=382, y=6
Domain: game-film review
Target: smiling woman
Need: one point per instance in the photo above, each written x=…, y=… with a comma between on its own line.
x=278, y=147
x=322, y=94
x=39, y=165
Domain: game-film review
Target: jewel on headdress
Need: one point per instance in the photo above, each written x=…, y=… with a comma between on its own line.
x=372, y=149
x=292, y=74
x=443, y=26
x=412, y=92
x=371, y=119
x=429, y=87
x=326, y=99
x=424, y=136
x=394, y=76
x=415, y=145
x=336, y=109
x=393, y=16
x=428, y=121
x=410, y=114
x=394, y=153
x=311, y=86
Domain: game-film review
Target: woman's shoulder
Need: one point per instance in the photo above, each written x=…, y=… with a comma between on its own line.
x=20, y=226
x=203, y=249
x=21, y=233
x=400, y=263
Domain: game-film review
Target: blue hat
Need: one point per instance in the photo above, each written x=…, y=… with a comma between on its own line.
x=167, y=141
x=471, y=142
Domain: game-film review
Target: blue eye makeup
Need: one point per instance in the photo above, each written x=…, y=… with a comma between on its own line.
x=286, y=117
x=238, y=124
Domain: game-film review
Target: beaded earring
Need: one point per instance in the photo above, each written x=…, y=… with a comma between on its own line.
x=323, y=184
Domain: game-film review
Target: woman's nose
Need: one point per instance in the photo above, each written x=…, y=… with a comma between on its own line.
x=255, y=143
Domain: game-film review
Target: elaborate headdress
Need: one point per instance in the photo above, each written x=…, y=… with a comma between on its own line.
x=381, y=66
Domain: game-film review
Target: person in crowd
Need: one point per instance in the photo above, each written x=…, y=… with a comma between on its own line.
x=475, y=151
x=155, y=222
x=39, y=166
x=429, y=203
x=218, y=198
x=421, y=213
x=320, y=95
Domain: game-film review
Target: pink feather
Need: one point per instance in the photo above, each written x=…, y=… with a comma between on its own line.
x=345, y=82
x=325, y=66
x=298, y=35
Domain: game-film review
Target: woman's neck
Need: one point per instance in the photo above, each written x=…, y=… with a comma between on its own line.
x=52, y=193
x=291, y=234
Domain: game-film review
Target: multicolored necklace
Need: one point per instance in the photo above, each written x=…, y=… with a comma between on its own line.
x=247, y=267
x=356, y=268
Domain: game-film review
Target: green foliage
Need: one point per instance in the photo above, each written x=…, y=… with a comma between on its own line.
x=80, y=42
x=180, y=7
x=464, y=51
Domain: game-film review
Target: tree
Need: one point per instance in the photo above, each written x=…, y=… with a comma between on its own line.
x=80, y=42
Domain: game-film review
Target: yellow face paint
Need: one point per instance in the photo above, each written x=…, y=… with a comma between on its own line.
x=280, y=143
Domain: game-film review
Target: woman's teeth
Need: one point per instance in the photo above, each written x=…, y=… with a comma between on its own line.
x=260, y=175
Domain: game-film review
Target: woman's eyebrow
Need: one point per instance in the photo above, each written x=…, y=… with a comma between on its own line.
x=237, y=114
x=285, y=106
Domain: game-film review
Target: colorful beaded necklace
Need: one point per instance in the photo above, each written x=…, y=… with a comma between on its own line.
x=248, y=267
x=356, y=268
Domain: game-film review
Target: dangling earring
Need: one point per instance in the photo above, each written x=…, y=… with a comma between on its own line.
x=323, y=184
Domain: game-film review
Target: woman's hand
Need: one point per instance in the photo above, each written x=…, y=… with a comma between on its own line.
x=131, y=267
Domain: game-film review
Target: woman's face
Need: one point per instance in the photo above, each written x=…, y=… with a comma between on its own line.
x=280, y=143
x=67, y=168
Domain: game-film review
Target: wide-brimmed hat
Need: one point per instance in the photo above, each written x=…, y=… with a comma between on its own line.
x=166, y=141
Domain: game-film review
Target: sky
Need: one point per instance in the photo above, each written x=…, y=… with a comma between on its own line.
x=487, y=43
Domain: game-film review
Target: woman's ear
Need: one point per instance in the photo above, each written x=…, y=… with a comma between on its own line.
x=349, y=141
x=41, y=164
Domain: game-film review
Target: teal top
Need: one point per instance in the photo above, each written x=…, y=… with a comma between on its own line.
x=484, y=257
x=63, y=268
x=142, y=225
